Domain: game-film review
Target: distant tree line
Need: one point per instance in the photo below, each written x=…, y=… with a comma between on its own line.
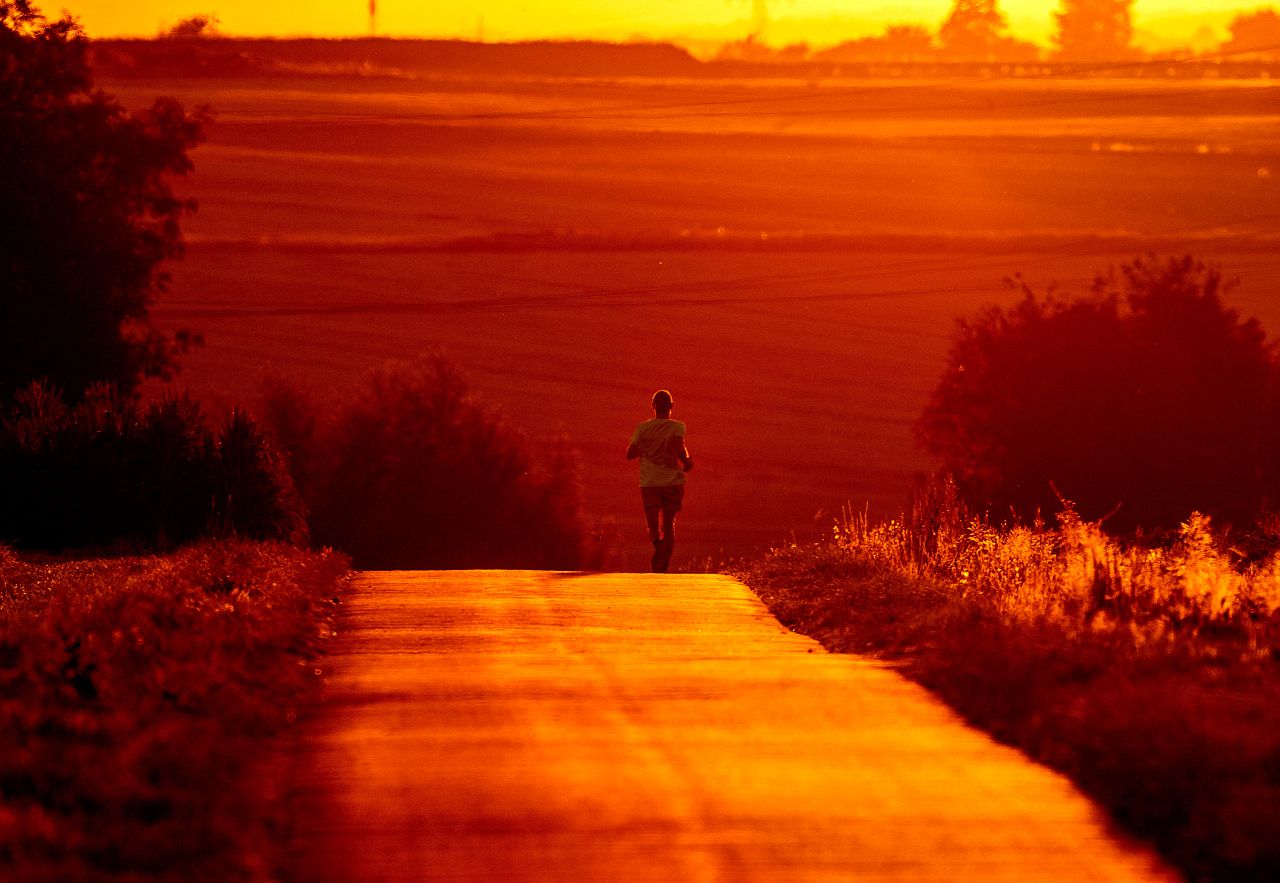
x=976, y=31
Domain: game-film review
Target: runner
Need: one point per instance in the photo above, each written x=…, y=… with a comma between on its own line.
x=664, y=460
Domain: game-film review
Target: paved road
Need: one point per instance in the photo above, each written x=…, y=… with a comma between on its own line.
x=550, y=727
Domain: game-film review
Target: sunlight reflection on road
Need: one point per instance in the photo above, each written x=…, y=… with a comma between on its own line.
x=508, y=726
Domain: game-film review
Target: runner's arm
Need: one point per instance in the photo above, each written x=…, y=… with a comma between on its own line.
x=633, y=451
x=681, y=453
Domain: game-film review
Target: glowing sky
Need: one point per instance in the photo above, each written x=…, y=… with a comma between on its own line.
x=818, y=22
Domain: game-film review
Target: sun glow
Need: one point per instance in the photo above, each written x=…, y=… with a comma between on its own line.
x=817, y=22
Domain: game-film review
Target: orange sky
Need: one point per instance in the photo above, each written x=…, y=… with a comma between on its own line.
x=818, y=22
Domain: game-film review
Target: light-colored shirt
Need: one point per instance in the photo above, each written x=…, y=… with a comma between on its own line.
x=659, y=465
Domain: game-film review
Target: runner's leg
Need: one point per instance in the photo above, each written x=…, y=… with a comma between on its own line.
x=651, y=519
x=652, y=508
x=668, y=543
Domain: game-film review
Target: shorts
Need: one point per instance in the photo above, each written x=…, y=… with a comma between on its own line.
x=668, y=498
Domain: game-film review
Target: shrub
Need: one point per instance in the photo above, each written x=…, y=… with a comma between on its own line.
x=1149, y=397
x=414, y=471
x=142, y=702
x=109, y=471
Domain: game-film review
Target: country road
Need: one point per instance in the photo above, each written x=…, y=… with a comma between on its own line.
x=513, y=726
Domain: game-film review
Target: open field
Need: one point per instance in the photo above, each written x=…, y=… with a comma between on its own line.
x=789, y=257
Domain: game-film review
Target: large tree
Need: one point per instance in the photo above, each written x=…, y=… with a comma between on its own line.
x=975, y=30
x=1257, y=31
x=1148, y=395
x=1094, y=30
x=89, y=215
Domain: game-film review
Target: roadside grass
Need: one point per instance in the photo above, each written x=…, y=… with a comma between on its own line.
x=143, y=705
x=1149, y=674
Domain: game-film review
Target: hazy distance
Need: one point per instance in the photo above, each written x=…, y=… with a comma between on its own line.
x=1159, y=24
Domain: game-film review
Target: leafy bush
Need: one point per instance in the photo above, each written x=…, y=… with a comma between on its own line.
x=109, y=470
x=141, y=700
x=413, y=471
x=1150, y=398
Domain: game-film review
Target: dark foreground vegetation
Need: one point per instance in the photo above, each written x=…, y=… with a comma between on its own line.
x=113, y=472
x=144, y=703
x=1150, y=676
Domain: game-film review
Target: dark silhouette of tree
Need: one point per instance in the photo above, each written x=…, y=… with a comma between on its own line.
x=1094, y=30
x=196, y=27
x=89, y=217
x=1149, y=395
x=972, y=26
x=1257, y=31
x=108, y=470
x=416, y=472
x=975, y=31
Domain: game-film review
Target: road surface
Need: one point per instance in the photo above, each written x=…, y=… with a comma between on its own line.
x=515, y=726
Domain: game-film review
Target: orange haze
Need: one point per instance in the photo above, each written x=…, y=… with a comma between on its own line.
x=789, y=257
x=818, y=22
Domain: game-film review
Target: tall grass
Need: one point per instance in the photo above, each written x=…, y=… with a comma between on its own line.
x=142, y=704
x=1148, y=672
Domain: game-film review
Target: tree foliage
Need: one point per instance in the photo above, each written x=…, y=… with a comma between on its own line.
x=416, y=472
x=1257, y=31
x=195, y=27
x=107, y=470
x=975, y=30
x=972, y=23
x=89, y=214
x=1094, y=30
x=1148, y=395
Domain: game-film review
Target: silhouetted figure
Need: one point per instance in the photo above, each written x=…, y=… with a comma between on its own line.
x=659, y=444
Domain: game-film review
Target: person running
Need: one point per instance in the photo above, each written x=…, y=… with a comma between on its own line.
x=664, y=460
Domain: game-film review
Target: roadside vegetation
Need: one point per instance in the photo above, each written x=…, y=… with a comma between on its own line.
x=144, y=705
x=1132, y=640
x=145, y=699
x=1149, y=675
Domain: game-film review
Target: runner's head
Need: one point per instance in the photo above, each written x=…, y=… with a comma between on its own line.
x=662, y=403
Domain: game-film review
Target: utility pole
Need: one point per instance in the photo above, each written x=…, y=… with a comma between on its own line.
x=373, y=18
